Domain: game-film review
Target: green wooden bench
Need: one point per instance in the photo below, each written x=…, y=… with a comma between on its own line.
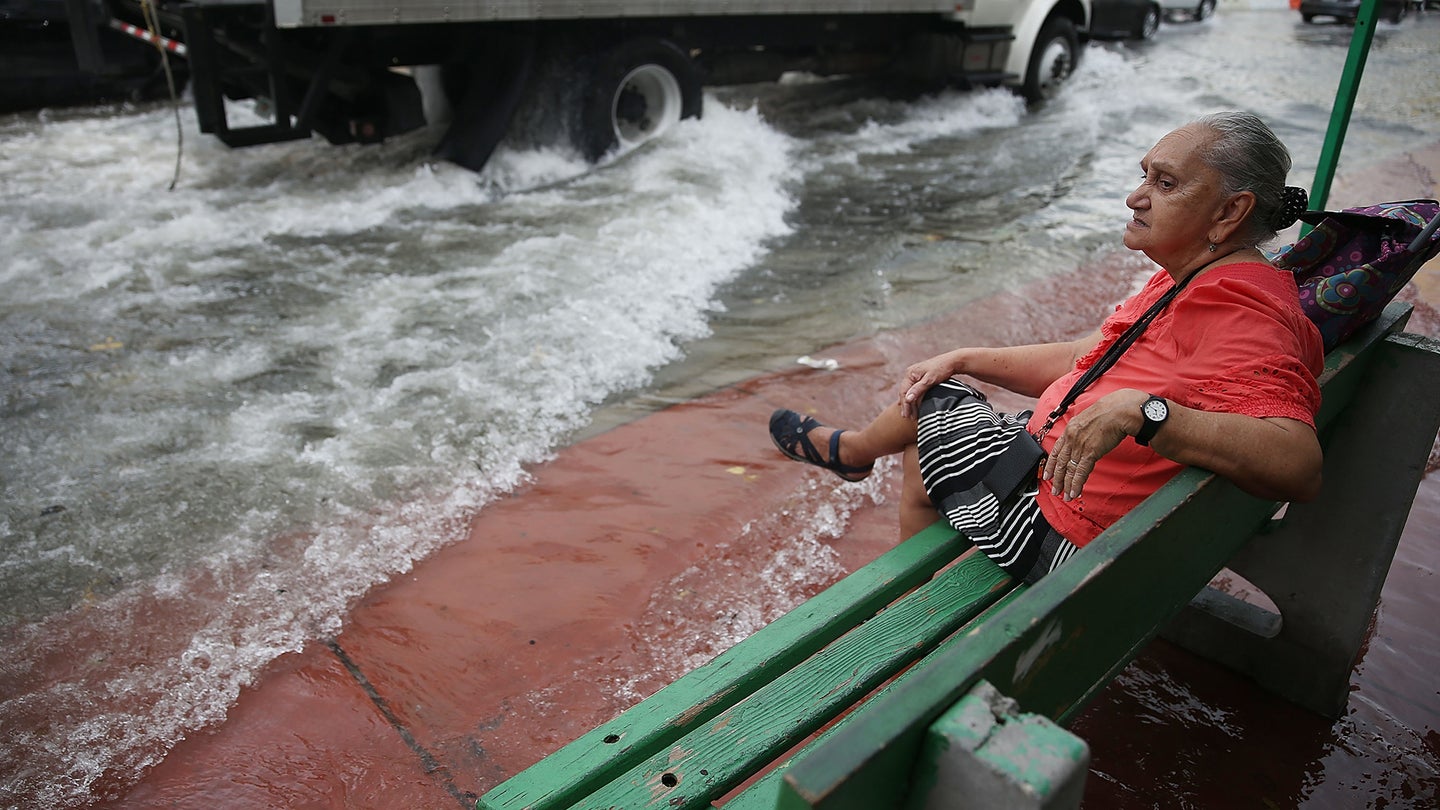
x=934, y=681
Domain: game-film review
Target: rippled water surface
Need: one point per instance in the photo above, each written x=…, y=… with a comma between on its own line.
x=246, y=401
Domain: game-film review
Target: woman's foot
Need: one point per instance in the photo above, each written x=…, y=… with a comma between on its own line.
x=791, y=433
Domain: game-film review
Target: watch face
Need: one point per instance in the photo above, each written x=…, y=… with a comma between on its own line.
x=1155, y=410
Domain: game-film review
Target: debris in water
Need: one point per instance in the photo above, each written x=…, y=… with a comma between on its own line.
x=828, y=363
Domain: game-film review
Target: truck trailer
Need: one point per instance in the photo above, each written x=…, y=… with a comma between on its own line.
x=604, y=75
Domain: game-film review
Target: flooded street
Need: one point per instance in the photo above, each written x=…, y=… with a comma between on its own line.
x=229, y=411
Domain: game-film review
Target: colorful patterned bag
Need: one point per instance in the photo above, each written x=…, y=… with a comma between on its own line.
x=1356, y=260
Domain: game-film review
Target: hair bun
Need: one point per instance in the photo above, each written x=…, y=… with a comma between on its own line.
x=1293, y=202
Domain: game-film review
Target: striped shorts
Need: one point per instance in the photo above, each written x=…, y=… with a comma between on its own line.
x=970, y=459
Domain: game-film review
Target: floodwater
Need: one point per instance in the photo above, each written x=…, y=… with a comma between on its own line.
x=242, y=403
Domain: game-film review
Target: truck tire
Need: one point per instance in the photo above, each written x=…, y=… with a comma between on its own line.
x=1052, y=60
x=637, y=91
x=1149, y=24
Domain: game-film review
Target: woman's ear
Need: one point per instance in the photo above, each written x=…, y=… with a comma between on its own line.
x=1232, y=214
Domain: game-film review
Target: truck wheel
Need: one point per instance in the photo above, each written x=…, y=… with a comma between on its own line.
x=1149, y=24
x=1052, y=60
x=638, y=91
x=1205, y=9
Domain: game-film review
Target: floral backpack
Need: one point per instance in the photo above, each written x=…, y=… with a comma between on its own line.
x=1356, y=260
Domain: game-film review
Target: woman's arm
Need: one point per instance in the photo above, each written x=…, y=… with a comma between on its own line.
x=1273, y=458
x=1026, y=370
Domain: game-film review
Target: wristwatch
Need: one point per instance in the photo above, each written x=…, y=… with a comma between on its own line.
x=1155, y=411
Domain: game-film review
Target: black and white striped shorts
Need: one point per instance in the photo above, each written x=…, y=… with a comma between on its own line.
x=963, y=442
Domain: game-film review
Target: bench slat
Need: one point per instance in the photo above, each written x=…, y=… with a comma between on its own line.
x=761, y=794
x=1325, y=564
x=1342, y=374
x=709, y=761
x=608, y=751
x=1063, y=639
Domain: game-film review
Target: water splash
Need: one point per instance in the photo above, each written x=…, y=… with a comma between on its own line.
x=307, y=378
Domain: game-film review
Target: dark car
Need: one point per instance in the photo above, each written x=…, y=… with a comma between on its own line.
x=1347, y=10
x=1124, y=19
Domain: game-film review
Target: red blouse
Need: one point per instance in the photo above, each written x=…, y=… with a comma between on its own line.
x=1234, y=341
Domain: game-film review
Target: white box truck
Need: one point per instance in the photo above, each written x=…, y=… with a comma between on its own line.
x=606, y=74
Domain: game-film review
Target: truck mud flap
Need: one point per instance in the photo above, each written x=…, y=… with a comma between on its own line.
x=490, y=91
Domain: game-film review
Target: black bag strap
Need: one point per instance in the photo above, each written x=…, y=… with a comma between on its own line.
x=1125, y=341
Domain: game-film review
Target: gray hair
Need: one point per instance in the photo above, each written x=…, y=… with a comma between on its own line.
x=1249, y=157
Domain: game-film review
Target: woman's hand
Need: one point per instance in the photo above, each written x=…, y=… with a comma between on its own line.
x=921, y=377
x=1089, y=435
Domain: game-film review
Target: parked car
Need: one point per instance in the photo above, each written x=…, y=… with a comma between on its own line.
x=1347, y=10
x=1124, y=19
x=1187, y=9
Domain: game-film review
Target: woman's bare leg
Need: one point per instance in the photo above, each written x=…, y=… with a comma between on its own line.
x=916, y=510
x=888, y=434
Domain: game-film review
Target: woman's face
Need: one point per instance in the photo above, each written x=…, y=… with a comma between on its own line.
x=1177, y=202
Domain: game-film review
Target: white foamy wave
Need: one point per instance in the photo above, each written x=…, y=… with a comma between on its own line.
x=947, y=114
x=876, y=126
x=510, y=170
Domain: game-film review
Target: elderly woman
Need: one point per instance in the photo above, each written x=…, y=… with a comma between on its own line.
x=1223, y=377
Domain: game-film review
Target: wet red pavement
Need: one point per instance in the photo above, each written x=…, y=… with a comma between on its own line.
x=633, y=555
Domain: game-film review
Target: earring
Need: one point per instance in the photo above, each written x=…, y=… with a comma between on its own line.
x=1214, y=247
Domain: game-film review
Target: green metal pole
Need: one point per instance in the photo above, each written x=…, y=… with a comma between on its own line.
x=1344, y=103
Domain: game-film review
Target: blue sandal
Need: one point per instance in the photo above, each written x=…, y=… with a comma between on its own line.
x=791, y=433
